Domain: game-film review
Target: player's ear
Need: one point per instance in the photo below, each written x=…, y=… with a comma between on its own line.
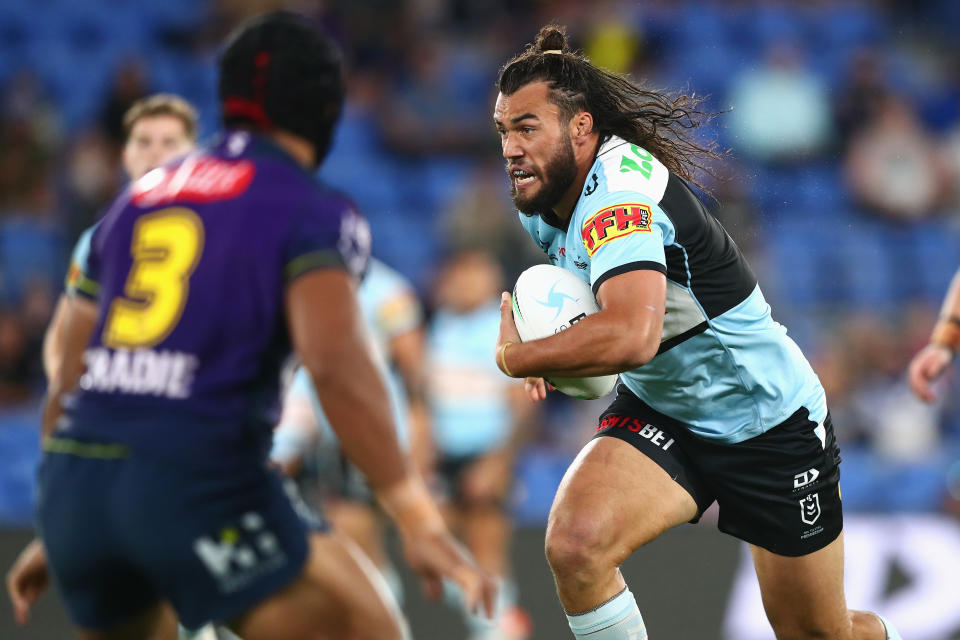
x=582, y=124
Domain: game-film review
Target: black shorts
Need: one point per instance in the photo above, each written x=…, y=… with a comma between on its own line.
x=779, y=490
x=448, y=480
x=123, y=532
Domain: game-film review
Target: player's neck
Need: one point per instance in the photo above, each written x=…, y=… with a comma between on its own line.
x=585, y=154
x=302, y=151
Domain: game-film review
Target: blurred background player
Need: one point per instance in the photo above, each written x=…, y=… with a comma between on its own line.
x=930, y=363
x=154, y=486
x=306, y=447
x=158, y=129
x=478, y=419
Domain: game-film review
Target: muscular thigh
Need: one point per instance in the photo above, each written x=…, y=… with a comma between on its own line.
x=614, y=488
x=804, y=592
x=339, y=596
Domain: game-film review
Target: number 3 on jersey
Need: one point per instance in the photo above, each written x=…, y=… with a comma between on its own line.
x=166, y=248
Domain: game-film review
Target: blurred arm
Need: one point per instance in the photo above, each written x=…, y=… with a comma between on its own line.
x=332, y=344
x=64, y=343
x=928, y=365
x=408, y=355
x=947, y=330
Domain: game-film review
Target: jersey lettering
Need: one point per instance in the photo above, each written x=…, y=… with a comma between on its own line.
x=144, y=372
x=614, y=222
x=196, y=179
x=644, y=166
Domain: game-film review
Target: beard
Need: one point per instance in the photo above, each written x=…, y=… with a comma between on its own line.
x=555, y=179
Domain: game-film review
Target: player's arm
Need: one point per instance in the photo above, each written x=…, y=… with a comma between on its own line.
x=28, y=579
x=75, y=326
x=408, y=355
x=330, y=339
x=932, y=361
x=53, y=338
x=623, y=335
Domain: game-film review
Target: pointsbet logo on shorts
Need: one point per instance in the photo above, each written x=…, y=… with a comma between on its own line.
x=615, y=222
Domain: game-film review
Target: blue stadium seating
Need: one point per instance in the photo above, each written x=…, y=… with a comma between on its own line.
x=20, y=452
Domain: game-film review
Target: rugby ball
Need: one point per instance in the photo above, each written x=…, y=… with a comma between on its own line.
x=548, y=299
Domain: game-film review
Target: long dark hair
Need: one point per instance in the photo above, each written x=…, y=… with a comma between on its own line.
x=660, y=122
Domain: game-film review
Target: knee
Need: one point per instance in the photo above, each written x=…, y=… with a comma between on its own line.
x=577, y=546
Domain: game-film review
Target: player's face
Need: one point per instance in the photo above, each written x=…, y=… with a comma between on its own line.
x=536, y=144
x=153, y=141
x=469, y=281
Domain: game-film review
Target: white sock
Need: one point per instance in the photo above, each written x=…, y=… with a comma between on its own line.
x=389, y=573
x=478, y=623
x=892, y=633
x=616, y=619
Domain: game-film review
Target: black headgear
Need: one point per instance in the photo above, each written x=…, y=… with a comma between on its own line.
x=280, y=71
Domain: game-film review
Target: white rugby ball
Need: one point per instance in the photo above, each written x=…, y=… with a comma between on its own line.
x=548, y=299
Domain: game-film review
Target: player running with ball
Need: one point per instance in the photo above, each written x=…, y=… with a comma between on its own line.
x=598, y=169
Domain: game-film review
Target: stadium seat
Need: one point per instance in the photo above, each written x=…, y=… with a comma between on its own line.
x=30, y=250
x=20, y=452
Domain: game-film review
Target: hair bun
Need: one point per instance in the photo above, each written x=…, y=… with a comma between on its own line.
x=552, y=37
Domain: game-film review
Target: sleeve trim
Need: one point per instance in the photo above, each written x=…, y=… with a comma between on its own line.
x=84, y=287
x=630, y=266
x=313, y=260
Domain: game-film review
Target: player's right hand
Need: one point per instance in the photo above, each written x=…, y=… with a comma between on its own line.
x=27, y=579
x=926, y=367
x=536, y=388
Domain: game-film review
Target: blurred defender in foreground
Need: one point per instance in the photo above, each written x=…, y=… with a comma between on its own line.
x=154, y=486
x=159, y=128
x=715, y=404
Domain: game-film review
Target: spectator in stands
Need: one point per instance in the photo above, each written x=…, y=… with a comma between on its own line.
x=780, y=110
x=861, y=95
x=893, y=167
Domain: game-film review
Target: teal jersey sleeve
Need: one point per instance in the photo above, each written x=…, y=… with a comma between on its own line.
x=623, y=231
x=79, y=281
x=389, y=303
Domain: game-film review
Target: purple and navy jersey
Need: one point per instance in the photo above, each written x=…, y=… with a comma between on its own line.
x=191, y=263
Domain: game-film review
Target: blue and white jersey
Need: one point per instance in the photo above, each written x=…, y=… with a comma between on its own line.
x=470, y=410
x=390, y=307
x=724, y=367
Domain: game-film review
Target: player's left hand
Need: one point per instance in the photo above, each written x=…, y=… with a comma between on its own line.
x=508, y=328
x=27, y=579
x=925, y=368
x=435, y=556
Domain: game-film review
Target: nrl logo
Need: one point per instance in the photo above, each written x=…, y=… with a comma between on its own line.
x=810, y=508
